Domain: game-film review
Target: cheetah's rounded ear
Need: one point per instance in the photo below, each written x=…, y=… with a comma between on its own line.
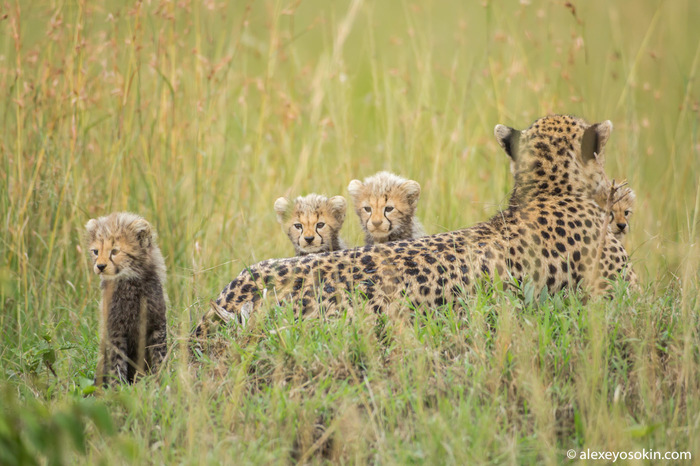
x=508, y=138
x=627, y=194
x=601, y=197
x=355, y=189
x=411, y=190
x=338, y=207
x=594, y=139
x=604, y=130
x=91, y=226
x=143, y=231
x=91, y=229
x=282, y=209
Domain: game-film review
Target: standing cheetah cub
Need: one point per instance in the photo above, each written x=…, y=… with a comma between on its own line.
x=386, y=205
x=132, y=275
x=312, y=222
x=622, y=209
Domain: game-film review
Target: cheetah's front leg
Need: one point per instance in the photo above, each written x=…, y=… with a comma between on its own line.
x=117, y=361
x=156, y=348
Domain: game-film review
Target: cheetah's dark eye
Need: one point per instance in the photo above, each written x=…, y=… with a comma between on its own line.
x=388, y=209
x=298, y=226
x=612, y=216
x=94, y=251
x=114, y=252
x=368, y=209
x=627, y=213
x=320, y=225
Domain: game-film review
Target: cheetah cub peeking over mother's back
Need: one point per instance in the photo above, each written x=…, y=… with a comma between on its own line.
x=386, y=205
x=312, y=222
x=132, y=276
x=621, y=211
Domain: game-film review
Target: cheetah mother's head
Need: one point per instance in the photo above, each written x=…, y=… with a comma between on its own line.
x=558, y=155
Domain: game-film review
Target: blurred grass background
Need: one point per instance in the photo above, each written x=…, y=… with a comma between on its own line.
x=198, y=115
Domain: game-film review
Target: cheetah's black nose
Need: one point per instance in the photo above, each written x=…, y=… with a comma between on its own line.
x=622, y=226
x=309, y=239
x=101, y=267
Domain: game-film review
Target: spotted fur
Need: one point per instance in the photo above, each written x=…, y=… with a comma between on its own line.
x=386, y=206
x=548, y=236
x=312, y=222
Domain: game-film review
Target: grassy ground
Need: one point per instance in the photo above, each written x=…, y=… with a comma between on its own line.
x=198, y=115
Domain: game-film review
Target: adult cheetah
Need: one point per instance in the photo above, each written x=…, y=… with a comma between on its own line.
x=549, y=236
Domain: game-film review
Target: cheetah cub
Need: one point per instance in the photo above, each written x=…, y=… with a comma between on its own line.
x=386, y=205
x=132, y=275
x=312, y=222
x=622, y=209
